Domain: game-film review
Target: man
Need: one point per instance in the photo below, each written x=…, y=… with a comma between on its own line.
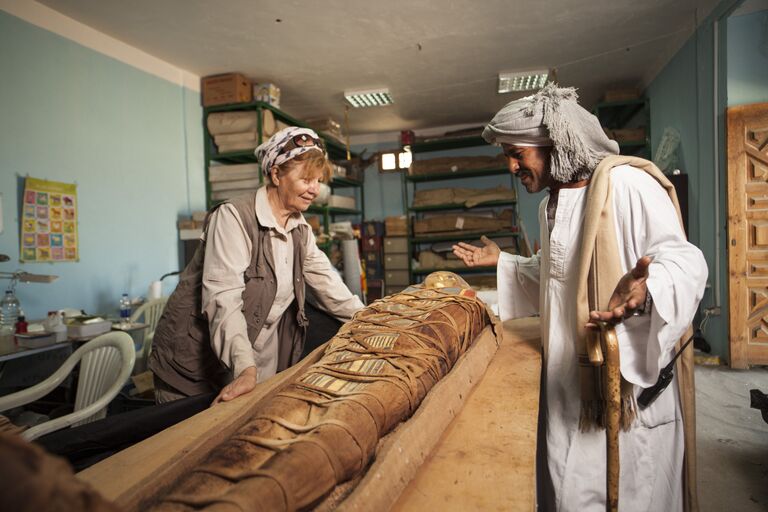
x=612, y=250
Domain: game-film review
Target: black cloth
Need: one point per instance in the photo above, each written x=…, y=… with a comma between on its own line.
x=87, y=444
x=322, y=327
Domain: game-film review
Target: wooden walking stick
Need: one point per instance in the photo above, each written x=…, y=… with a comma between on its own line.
x=612, y=390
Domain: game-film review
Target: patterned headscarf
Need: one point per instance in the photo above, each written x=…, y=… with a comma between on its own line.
x=268, y=154
x=552, y=117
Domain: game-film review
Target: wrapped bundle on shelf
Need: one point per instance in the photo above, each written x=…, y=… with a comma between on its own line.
x=445, y=165
x=309, y=443
x=328, y=127
x=237, y=172
x=223, y=195
x=239, y=131
x=429, y=259
x=451, y=223
x=228, y=181
x=467, y=197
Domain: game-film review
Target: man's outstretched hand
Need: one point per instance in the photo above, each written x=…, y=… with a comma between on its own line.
x=629, y=295
x=244, y=383
x=474, y=256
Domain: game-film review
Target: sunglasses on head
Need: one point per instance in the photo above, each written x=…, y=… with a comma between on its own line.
x=302, y=141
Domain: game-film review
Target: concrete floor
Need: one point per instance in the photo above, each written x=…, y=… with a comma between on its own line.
x=732, y=440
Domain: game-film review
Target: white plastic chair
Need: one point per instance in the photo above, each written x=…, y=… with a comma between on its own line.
x=107, y=361
x=151, y=311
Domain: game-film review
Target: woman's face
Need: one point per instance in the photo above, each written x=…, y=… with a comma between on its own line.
x=296, y=189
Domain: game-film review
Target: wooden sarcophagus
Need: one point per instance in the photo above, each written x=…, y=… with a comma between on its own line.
x=348, y=427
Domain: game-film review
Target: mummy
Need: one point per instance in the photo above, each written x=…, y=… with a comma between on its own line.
x=320, y=433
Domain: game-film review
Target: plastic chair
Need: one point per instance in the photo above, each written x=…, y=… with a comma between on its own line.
x=107, y=361
x=151, y=311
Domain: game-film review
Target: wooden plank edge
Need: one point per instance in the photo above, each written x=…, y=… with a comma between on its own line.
x=406, y=448
x=134, y=477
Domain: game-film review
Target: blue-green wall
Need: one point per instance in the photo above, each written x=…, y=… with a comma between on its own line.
x=748, y=58
x=74, y=115
x=691, y=96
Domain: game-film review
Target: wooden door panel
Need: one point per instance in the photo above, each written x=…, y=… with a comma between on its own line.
x=748, y=233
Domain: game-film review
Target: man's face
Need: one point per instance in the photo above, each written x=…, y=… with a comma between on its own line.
x=530, y=165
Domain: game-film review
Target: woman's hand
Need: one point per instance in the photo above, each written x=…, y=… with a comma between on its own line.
x=473, y=256
x=244, y=383
x=629, y=295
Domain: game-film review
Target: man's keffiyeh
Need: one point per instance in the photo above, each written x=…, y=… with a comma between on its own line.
x=552, y=117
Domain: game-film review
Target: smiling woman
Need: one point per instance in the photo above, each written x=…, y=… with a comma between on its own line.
x=293, y=185
x=237, y=316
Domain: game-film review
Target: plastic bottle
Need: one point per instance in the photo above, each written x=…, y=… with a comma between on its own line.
x=125, y=309
x=21, y=323
x=9, y=313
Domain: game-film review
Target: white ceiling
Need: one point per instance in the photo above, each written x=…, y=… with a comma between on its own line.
x=440, y=59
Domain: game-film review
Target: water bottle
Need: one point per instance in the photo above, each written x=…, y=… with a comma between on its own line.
x=125, y=309
x=9, y=313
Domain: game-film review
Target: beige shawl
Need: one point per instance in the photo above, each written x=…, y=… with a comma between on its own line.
x=599, y=272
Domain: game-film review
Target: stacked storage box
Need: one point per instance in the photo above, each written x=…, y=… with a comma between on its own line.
x=372, y=235
x=396, y=263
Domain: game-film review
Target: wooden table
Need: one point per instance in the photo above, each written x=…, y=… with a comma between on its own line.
x=484, y=460
x=10, y=349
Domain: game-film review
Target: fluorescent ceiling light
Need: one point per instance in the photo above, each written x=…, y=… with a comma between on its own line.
x=368, y=98
x=522, y=81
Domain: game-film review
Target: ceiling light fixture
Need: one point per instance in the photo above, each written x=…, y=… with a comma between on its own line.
x=369, y=98
x=522, y=81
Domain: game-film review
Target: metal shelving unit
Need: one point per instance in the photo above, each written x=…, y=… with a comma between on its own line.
x=336, y=151
x=617, y=114
x=409, y=187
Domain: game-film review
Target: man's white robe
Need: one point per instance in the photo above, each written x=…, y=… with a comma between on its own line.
x=572, y=473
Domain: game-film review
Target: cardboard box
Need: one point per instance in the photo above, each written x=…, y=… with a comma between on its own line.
x=226, y=88
x=373, y=266
x=396, y=278
x=268, y=93
x=612, y=95
x=372, y=233
x=629, y=134
x=396, y=262
x=395, y=244
x=342, y=202
x=396, y=225
x=371, y=244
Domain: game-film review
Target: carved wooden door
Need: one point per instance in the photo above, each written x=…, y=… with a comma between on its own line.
x=748, y=233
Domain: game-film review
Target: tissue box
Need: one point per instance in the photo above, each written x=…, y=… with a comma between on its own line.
x=268, y=93
x=88, y=327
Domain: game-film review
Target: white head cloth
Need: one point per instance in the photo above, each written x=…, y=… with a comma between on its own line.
x=268, y=154
x=553, y=117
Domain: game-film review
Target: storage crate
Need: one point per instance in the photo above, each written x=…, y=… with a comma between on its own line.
x=226, y=88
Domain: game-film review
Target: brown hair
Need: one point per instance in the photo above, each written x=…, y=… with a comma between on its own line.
x=313, y=164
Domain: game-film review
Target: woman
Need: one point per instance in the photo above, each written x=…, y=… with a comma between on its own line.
x=237, y=316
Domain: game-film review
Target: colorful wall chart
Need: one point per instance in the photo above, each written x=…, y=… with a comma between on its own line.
x=49, y=222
